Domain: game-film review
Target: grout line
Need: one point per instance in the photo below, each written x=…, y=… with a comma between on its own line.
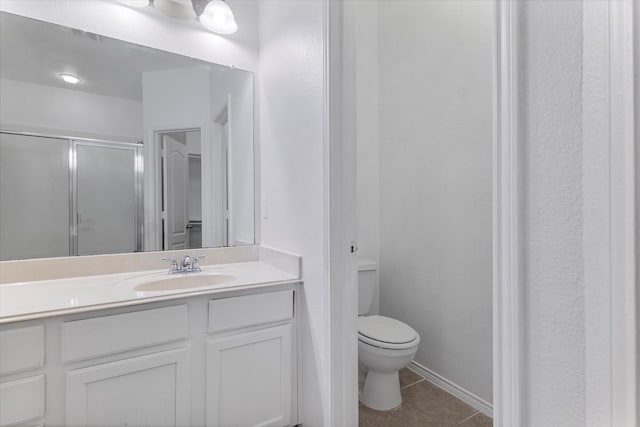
x=413, y=383
x=469, y=417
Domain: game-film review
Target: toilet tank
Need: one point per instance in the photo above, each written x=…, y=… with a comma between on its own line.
x=367, y=280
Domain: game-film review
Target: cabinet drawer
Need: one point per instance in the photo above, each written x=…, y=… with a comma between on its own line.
x=85, y=339
x=21, y=400
x=21, y=349
x=250, y=310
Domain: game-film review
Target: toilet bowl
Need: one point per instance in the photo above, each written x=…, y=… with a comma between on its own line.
x=385, y=346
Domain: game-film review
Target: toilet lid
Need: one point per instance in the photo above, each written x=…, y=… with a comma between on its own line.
x=385, y=329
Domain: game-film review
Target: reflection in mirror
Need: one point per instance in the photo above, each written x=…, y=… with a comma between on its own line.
x=111, y=147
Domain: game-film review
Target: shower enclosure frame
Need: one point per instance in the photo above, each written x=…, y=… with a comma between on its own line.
x=138, y=170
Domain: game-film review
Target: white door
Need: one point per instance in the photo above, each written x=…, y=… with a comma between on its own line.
x=151, y=390
x=175, y=187
x=249, y=379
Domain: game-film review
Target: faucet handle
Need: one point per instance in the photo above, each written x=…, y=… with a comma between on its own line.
x=174, y=264
x=194, y=263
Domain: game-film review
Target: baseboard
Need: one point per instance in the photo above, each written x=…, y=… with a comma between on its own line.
x=453, y=388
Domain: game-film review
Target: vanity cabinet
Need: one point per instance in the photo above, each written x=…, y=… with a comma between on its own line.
x=223, y=360
x=22, y=356
x=150, y=390
x=250, y=374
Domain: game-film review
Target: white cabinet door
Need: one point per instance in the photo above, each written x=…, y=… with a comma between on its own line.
x=151, y=390
x=249, y=379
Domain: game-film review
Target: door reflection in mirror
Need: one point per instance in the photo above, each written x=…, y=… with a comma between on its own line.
x=181, y=188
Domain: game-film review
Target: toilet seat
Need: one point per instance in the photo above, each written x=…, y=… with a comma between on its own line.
x=385, y=332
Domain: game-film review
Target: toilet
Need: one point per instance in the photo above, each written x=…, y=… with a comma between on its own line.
x=385, y=345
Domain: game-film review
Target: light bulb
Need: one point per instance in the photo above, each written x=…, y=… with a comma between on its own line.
x=218, y=17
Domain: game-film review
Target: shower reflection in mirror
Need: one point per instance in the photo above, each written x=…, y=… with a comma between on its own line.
x=63, y=196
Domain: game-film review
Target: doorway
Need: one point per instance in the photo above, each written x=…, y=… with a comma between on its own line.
x=180, y=161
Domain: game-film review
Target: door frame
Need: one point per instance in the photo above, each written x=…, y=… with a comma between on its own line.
x=152, y=183
x=221, y=119
x=508, y=284
x=622, y=232
x=508, y=292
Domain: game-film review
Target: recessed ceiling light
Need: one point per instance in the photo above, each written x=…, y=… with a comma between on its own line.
x=69, y=78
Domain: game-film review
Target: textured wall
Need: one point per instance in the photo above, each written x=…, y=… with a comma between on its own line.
x=368, y=157
x=595, y=202
x=292, y=178
x=551, y=102
x=435, y=100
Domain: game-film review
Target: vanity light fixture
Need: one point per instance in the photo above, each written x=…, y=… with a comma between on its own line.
x=218, y=17
x=70, y=78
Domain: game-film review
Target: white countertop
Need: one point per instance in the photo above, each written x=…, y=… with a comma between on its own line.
x=32, y=300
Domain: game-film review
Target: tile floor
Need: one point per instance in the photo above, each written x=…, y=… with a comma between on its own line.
x=424, y=405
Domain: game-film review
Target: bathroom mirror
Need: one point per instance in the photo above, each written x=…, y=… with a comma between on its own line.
x=111, y=147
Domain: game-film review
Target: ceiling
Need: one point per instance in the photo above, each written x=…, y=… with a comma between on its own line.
x=37, y=52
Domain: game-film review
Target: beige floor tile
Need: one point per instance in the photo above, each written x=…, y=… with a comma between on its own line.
x=423, y=405
x=408, y=377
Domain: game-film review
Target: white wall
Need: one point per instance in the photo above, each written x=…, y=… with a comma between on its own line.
x=238, y=87
x=551, y=96
x=433, y=121
x=176, y=98
x=47, y=109
x=367, y=129
x=595, y=206
x=570, y=227
x=292, y=177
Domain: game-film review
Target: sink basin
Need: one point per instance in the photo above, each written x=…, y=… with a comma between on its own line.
x=173, y=283
x=157, y=282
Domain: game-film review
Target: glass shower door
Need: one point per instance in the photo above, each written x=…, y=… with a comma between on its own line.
x=34, y=196
x=107, y=198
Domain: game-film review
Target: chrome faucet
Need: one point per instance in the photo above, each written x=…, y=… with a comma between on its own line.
x=187, y=265
x=186, y=262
